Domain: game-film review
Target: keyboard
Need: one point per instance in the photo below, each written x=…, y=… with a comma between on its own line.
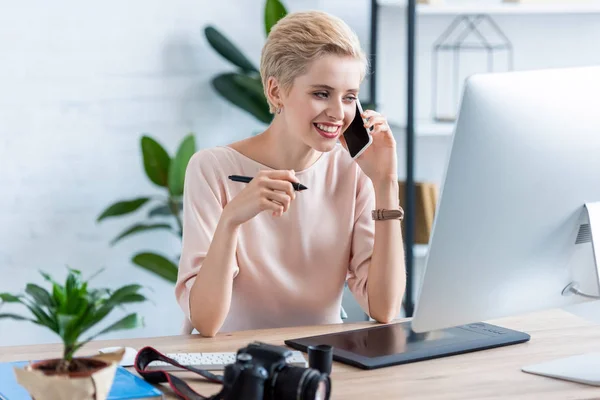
x=214, y=361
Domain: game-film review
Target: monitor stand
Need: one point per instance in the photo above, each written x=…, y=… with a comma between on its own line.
x=584, y=263
x=583, y=368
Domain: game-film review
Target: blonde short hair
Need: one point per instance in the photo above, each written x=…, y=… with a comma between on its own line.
x=301, y=37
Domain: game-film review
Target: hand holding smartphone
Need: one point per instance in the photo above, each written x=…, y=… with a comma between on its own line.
x=357, y=137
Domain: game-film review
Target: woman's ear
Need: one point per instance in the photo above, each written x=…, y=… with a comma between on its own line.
x=274, y=92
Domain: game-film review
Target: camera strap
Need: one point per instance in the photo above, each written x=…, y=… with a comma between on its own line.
x=148, y=354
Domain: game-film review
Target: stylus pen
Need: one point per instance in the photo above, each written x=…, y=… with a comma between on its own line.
x=247, y=179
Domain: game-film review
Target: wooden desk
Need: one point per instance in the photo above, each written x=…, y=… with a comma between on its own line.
x=490, y=374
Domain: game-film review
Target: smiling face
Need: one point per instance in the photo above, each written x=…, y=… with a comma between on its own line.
x=321, y=104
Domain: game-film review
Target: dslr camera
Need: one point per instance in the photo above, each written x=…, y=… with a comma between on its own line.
x=261, y=372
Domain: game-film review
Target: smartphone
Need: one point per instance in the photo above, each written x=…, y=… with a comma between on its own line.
x=357, y=137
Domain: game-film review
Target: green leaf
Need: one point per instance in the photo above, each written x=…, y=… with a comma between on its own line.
x=122, y=293
x=74, y=323
x=157, y=264
x=9, y=298
x=15, y=316
x=40, y=295
x=42, y=318
x=132, y=298
x=73, y=281
x=73, y=289
x=226, y=85
x=78, y=325
x=156, y=161
x=179, y=163
x=64, y=320
x=74, y=271
x=122, y=208
x=129, y=322
x=59, y=296
x=137, y=228
x=252, y=84
x=274, y=11
x=48, y=278
x=228, y=50
x=95, y=316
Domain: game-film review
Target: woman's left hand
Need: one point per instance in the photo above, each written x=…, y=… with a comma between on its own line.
x=379, y=161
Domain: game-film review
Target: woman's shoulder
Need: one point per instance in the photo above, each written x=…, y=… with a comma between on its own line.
x=213, y=158
x=211, y=154
x=208, y=168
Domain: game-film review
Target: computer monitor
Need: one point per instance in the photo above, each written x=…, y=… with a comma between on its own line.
x=511, y=233
x=518, y=212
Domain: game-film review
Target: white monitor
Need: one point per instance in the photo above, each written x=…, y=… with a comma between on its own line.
x=511, y=230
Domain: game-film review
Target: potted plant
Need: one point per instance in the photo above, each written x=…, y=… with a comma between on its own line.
x=72, y=310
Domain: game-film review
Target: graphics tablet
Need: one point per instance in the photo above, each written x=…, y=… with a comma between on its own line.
x=392, y=344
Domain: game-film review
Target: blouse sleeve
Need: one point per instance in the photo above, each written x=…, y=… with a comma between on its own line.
x=363, y=239
x=203, y=202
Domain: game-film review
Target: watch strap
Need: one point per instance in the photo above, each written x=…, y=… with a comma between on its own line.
x=382, y=214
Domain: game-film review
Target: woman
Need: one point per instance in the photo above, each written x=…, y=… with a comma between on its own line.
x=261, y=255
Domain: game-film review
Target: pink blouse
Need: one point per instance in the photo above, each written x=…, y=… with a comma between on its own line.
x=290, y=269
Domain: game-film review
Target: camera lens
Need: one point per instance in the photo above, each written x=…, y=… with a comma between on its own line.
x=297, y=383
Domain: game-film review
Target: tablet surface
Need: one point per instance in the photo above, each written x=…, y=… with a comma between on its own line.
x=395, y=343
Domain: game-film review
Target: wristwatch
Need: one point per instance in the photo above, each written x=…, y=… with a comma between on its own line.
x=383, y=214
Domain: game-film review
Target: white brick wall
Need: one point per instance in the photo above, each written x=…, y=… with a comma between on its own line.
x=80, y=82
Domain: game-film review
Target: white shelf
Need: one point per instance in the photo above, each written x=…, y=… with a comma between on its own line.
x=426, y=128
x=589, y=7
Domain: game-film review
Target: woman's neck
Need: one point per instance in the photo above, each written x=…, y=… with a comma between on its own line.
x=280, y=150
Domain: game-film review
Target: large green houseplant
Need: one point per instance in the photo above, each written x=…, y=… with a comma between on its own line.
x=168, y=173
x=71, y=310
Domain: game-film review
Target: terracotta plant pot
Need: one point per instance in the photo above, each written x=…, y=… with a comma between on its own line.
x=93, y=382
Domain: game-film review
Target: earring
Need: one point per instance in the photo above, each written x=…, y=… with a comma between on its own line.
x=278, y=111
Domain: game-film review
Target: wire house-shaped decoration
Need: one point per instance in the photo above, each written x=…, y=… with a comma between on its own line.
x=464, y=35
